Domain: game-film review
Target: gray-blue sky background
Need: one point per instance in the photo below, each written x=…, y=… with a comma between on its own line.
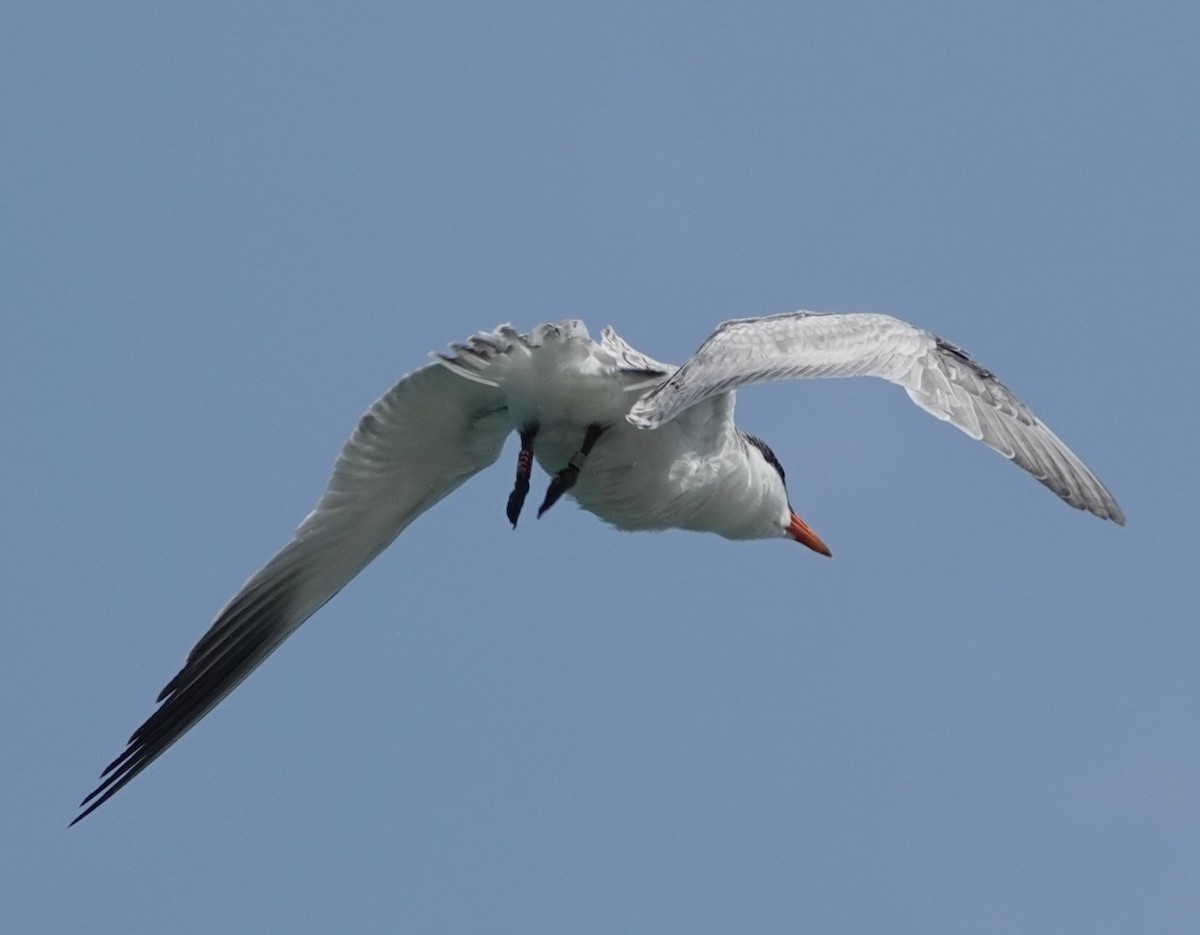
x=228, y=227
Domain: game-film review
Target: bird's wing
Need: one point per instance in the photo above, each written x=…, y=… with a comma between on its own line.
x=640, y=370
x=939, y=377
x=416, y=444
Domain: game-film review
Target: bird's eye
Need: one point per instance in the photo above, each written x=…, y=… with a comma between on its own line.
x=768, y=454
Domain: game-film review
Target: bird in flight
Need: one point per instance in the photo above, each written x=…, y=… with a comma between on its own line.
x=641, y=444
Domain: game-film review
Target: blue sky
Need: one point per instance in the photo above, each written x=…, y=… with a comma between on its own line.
x=227, y=228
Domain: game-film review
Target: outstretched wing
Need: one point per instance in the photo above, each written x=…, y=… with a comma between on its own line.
x=416, y=444
x=939, y=377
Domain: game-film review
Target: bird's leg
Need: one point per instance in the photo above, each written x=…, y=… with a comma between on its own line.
x=516, y=499
x=565, y=479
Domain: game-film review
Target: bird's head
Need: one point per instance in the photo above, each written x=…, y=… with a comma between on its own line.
x=789, y=524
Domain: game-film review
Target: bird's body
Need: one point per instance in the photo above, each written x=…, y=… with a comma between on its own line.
x=696, y=472
x=641, y=444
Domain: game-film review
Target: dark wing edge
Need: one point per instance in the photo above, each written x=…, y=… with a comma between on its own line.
x=952, y=387
x=421, y=440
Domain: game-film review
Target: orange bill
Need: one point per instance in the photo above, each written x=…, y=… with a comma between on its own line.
x=802, y=533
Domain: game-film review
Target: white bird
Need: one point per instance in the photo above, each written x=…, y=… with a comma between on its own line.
x=641, y=444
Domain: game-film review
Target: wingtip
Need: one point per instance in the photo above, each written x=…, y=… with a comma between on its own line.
x=86, y=811
x=638, y=419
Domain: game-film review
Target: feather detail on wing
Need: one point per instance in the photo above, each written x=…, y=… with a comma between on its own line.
x=639, y=370
x=938, y=376
x=415, y=445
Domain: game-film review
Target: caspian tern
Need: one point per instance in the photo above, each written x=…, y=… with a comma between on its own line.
x=641, y=444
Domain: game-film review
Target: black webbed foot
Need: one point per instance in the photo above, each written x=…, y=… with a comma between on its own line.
x=565, y=479
x=516, y=499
